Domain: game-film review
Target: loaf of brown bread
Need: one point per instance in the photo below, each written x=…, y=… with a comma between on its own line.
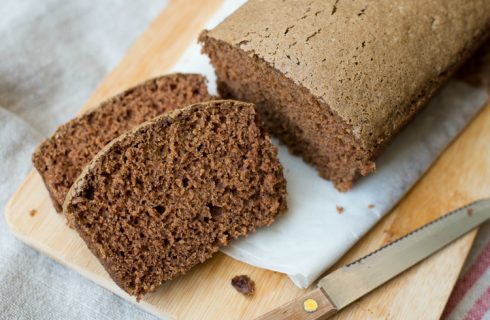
x=165, y=196
x=336, y=80
x=61, y=158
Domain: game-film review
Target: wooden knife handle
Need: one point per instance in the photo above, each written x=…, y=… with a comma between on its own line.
x=314, y=305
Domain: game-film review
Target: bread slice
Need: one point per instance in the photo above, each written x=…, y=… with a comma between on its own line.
x=165, y=196
x=336, y=80
x=61, y=158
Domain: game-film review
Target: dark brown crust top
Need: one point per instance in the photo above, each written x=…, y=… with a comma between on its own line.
x=61, y=158
x=372, y=62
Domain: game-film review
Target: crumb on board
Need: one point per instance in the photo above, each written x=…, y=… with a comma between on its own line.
x=340, y=209
x=370, y=206
x=33, y=212
x=470, y=211
x=243, y=284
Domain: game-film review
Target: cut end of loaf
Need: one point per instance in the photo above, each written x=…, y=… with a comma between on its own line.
x=167, y=195
x=308, y=127
x=61, y=158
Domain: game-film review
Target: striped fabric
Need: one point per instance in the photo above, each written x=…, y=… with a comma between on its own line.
x=470, y=299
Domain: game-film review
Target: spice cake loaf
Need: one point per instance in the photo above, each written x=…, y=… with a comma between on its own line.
x=336, y=80
x=166, y=195
x=61, y=158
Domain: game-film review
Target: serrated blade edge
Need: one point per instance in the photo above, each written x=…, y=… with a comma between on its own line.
x=349, y=283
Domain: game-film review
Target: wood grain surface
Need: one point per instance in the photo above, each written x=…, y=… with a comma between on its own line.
x=460, y=175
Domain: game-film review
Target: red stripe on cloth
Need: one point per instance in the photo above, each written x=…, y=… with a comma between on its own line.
x=465, y=283
x=480, y=307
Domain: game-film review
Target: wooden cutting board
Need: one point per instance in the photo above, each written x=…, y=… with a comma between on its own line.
x=460, y=175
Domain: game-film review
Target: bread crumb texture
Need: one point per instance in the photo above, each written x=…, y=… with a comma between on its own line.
x=61, y=158
x=244, y=285
x=166, y=196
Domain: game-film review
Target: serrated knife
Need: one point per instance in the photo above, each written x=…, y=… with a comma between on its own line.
x=349, y=283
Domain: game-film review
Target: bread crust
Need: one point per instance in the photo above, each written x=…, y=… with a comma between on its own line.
x=370, y=66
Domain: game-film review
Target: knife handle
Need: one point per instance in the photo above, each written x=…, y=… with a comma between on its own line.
x=311, y=306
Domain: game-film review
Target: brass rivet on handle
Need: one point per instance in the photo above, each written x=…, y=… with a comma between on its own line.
x=310, y=305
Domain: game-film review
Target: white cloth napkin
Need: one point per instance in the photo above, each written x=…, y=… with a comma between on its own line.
x=53, y=53
x=312, y=235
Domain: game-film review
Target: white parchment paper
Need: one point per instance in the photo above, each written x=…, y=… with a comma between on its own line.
x=312, y=235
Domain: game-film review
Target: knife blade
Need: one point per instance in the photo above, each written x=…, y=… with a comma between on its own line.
x=354, y=280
